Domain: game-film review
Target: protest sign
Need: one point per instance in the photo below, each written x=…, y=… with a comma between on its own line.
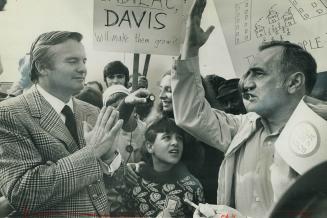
x=140, y=26
x=248, y=23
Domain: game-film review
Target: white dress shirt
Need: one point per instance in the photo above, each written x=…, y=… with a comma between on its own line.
x=55, y=102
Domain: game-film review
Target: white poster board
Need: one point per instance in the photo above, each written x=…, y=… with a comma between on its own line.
x=139, y=26
x=248, y=23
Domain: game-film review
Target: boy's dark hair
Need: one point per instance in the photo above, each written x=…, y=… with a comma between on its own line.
x=161, y=125
x=164, y=124
x=115, y=67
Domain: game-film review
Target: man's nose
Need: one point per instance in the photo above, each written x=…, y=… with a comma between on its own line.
x=82, y=68
x=162, y=94
x=247, y=83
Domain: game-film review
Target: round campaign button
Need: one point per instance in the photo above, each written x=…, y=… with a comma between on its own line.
x=304, y=139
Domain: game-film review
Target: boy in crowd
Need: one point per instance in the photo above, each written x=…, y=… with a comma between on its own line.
x=116, y=73
x=164, y=180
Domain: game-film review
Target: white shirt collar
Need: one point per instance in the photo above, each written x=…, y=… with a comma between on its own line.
x=55, y=102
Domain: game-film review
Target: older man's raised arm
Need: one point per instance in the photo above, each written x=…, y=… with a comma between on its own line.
x=192, y=112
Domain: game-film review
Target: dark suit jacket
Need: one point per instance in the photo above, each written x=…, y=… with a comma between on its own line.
x=43, y=171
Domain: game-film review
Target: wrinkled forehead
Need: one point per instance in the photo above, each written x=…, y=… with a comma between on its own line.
x=267, y=57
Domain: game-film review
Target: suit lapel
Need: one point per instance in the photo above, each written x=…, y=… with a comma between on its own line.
x=49, y=120
x=80, y=116
x=84, y=112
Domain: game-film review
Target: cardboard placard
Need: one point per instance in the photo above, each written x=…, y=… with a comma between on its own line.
x=140, y=26
x=248, y=23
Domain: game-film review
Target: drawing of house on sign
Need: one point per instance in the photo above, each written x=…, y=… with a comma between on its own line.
x=273, y=16
x=289, y=18
x=260, y=31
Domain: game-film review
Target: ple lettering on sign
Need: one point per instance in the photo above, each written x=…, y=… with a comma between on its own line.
x=246, y=24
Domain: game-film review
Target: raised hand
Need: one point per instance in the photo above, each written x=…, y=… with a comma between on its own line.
x=195, y=37
x=103, y=135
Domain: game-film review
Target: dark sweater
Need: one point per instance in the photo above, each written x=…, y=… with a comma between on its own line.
x=156, y=191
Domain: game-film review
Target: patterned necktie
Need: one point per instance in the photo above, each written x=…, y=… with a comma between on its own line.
x=70, y=122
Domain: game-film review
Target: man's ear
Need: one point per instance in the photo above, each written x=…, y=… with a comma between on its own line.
x=295, y=82
x=149, y=147
x=41, y=68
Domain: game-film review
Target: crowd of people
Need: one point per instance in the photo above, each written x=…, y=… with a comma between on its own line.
x=207, y=148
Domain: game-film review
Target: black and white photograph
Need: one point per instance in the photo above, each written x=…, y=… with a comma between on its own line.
x=163, y=108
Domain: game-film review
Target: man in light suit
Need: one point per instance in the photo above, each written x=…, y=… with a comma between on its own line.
x=49, y=165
